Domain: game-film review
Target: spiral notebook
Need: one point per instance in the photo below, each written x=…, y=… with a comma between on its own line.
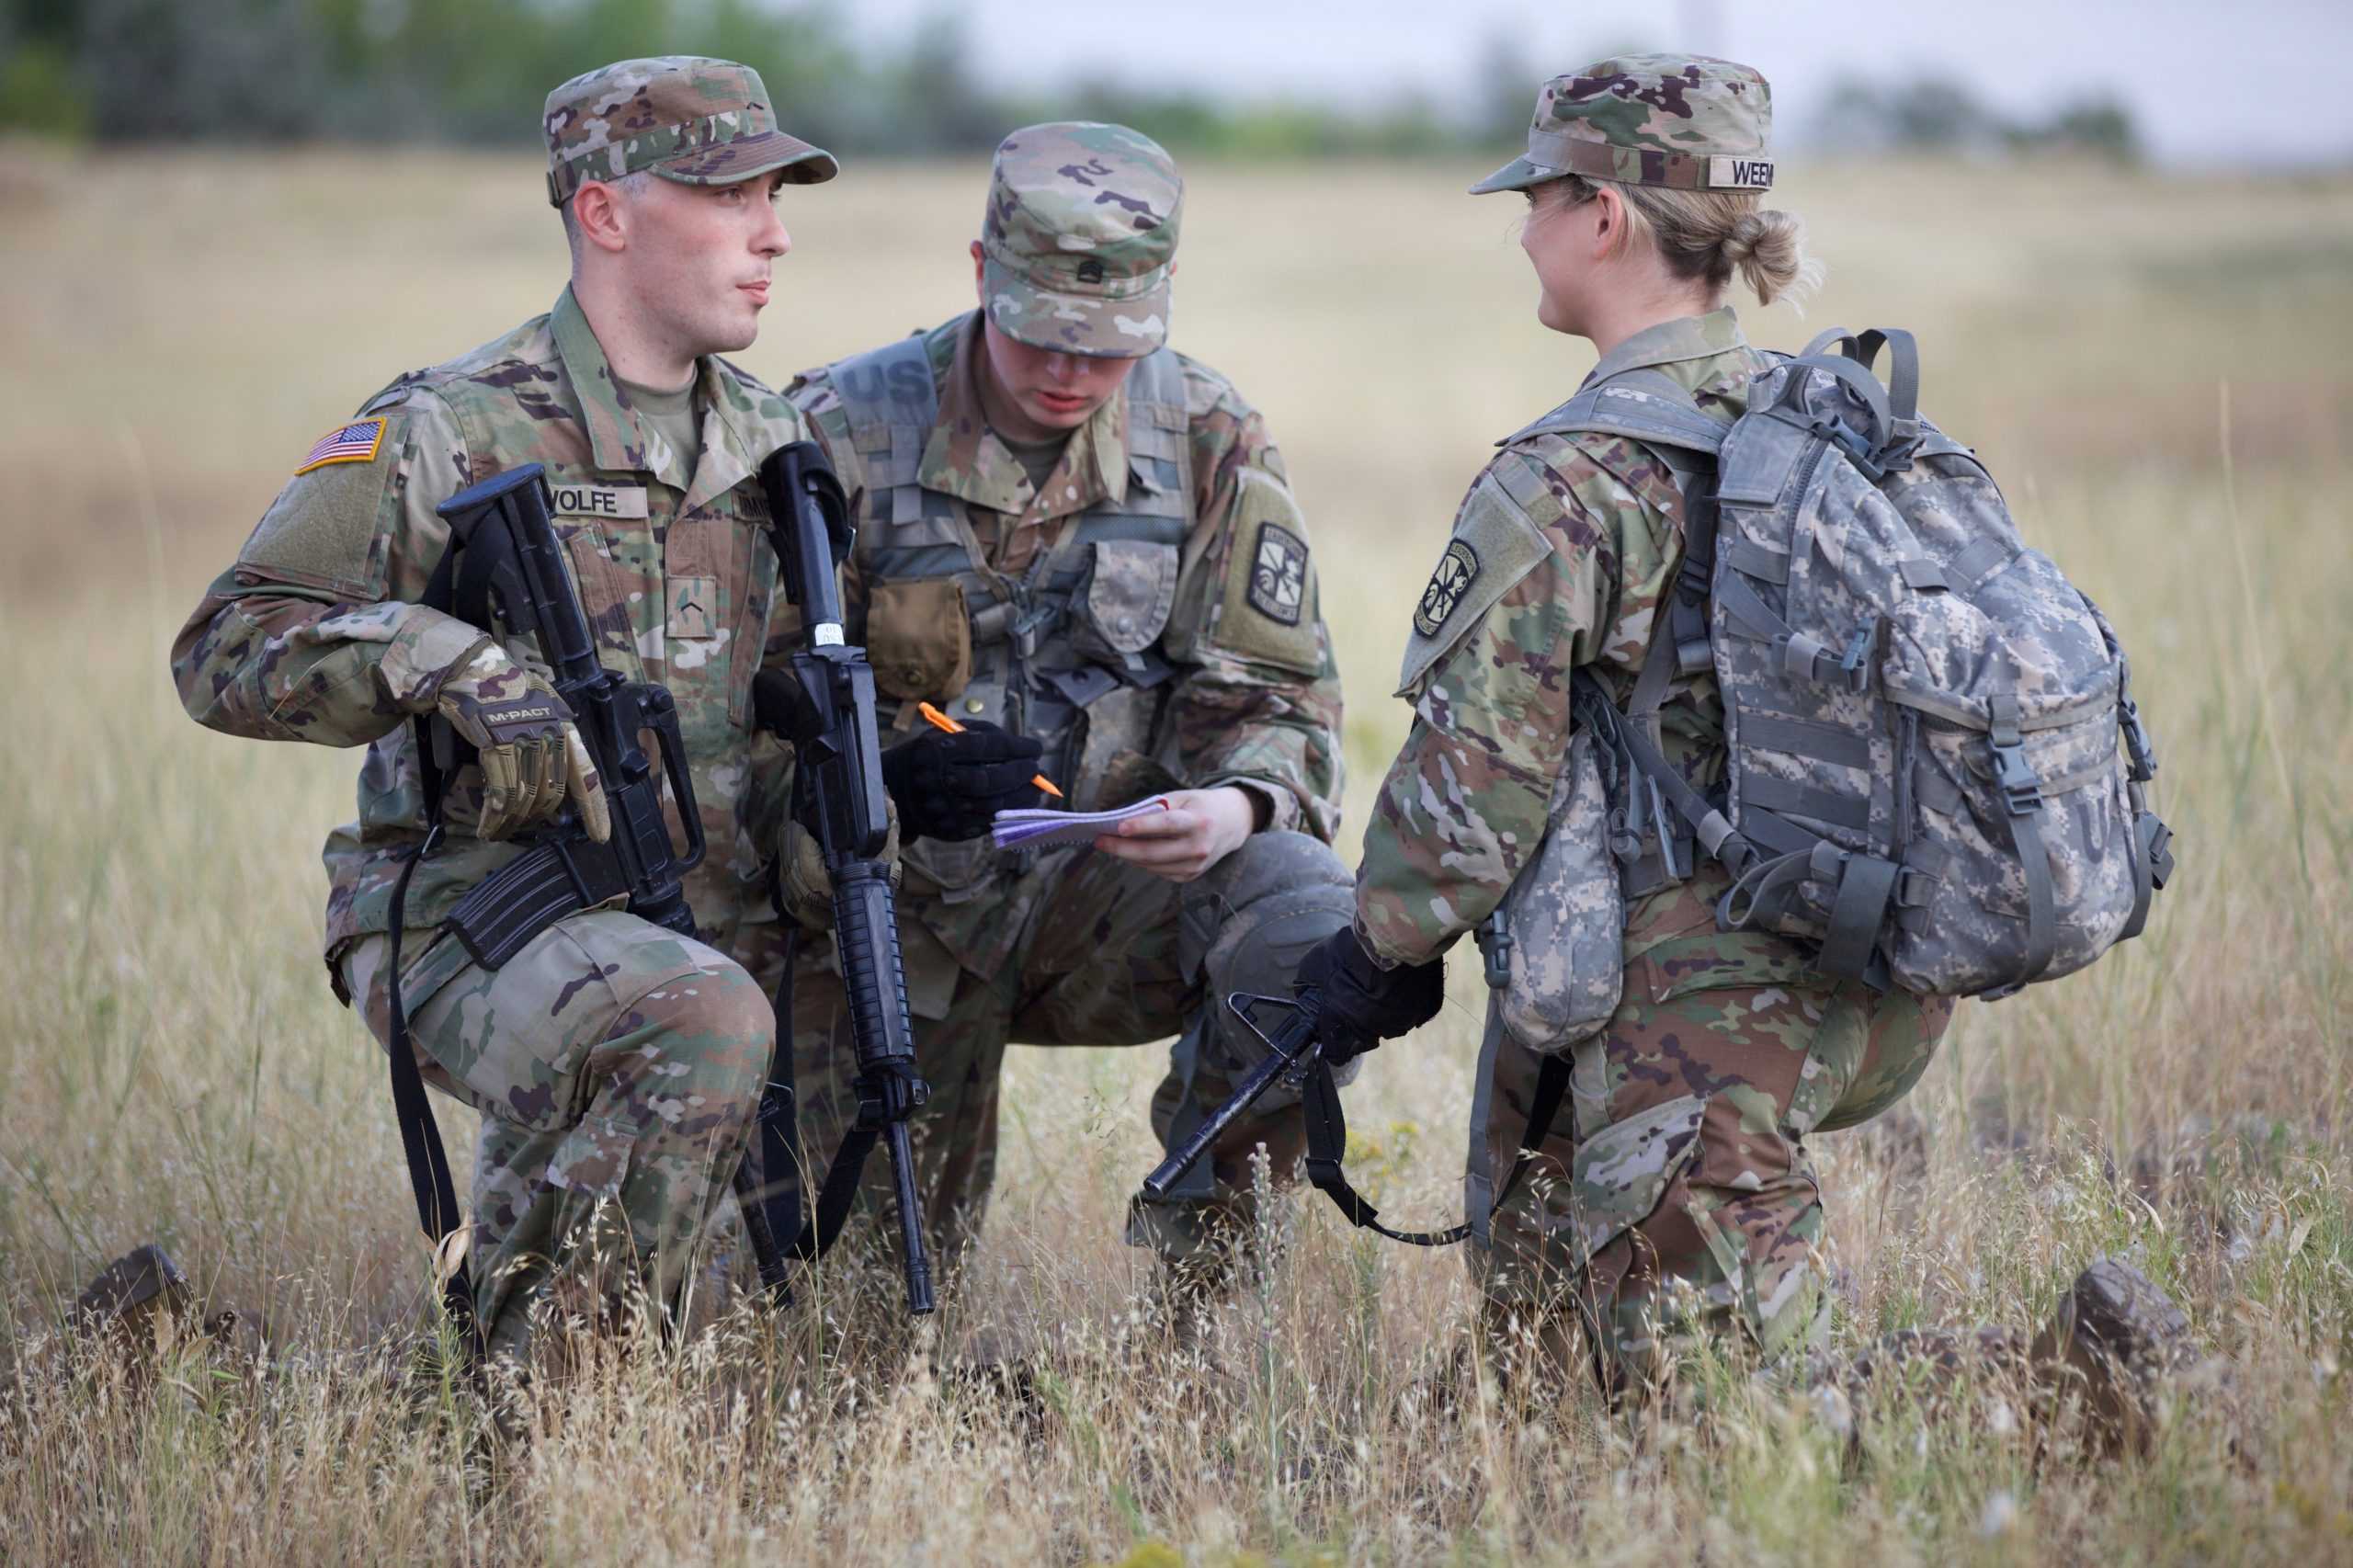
x=1041, y=828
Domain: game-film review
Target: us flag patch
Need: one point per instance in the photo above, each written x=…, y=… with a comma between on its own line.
x=353, y=443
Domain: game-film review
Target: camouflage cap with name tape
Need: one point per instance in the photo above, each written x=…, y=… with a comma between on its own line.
x=1680, y=120
x=687, y=119
x=1079, y=239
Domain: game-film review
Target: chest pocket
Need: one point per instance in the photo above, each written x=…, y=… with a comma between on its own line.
x=616, y=567
x=1125, y=608
x=718, y=580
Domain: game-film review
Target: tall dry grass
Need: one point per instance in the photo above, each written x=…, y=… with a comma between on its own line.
x=2156, y=368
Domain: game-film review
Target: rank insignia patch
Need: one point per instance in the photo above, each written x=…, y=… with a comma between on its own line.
x=1279, y=574
x=353, y=443
x=1457, y=569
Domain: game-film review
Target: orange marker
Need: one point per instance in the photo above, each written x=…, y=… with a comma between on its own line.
x=939, y=720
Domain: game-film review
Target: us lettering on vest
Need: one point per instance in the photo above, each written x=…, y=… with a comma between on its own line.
x=600, y=500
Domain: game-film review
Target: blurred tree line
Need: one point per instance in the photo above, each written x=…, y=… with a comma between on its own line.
x=1935, y=114
x=473, y=71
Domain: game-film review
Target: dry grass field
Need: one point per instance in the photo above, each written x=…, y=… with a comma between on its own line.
x=2158, y=370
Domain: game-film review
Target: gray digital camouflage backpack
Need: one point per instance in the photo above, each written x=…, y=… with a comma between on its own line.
x=1922, y=714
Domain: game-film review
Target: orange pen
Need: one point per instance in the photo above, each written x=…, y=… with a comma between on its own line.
x=939, y=720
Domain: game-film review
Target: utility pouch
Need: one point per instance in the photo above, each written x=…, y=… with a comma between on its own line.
x=1127, y=602
x=919, y=639
x=1559, y=940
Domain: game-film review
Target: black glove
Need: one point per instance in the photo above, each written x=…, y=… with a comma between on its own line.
x=1361, y=1003
x=948, y=787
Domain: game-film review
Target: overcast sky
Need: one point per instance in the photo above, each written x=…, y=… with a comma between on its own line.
x=2210, y=81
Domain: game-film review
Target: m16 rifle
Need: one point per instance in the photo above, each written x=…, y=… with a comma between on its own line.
x=825, y=705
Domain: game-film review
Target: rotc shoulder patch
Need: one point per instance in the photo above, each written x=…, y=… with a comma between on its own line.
x=1457, y=570
x=1494, y=547
x=356, y=442
x=1279, y=574
x=1264, y=610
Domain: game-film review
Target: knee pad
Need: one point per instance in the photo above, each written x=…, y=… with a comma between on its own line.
x=1257, y=915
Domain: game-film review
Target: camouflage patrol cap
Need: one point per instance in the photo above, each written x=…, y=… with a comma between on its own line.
x=1079, y=237
x=1680, y=120
x=687, y=119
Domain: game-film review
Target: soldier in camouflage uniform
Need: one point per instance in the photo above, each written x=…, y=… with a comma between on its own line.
x=616, y=1064
x=1672, y=1194
x=1073, y=531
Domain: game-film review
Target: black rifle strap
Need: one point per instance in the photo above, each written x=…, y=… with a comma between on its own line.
x=1552, y=1088
x=772, y=1205
x=1327, y=1140
x=840, y=1191
x=1327, y=1144
x=428, y=1160
x=796, y=1231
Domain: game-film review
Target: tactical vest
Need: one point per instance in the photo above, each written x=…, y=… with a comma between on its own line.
x=1067, y=651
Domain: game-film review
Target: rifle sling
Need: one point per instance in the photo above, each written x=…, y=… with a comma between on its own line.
x=1327, y=1142
x=428, y=1160
x=792, y=1230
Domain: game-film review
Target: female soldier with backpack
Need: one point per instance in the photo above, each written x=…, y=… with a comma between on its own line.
x=1671, y=1193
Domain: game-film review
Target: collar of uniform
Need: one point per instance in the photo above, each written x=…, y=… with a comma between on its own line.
x=965, y=458
x=1686, y=338
x=617, y=440
x=731, y=445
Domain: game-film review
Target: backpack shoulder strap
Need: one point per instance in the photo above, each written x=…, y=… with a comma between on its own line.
x=1642, y=404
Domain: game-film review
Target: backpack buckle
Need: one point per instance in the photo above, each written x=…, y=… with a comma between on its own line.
x=1854, y=664
x=1494, y=938
x=1624, y=844
x=2015, y=777
x=1902, y=446
x=1854, y=444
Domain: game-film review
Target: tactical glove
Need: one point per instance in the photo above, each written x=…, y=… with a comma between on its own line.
x=1360, y=1003
x=947, y=787
x=531, y=756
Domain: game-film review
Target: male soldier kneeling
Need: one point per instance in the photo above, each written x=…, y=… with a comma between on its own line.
x=1082, y=545
x=616, y=1064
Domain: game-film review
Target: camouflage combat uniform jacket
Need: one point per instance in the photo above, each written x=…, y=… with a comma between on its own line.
x=309, y=635
x=1174, y=570
x=1685, y=1159
x=1564, y=552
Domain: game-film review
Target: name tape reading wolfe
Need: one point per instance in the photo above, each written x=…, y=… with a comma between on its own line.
x=600, y=500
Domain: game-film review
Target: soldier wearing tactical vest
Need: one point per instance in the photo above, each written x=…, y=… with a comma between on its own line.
x=1671, y=1196
x=1082, y=545
x=616, y=1064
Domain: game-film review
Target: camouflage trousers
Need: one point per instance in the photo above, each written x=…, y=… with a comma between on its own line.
x=1105, y=954
x=1672, y=1195
x=616, y=1066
